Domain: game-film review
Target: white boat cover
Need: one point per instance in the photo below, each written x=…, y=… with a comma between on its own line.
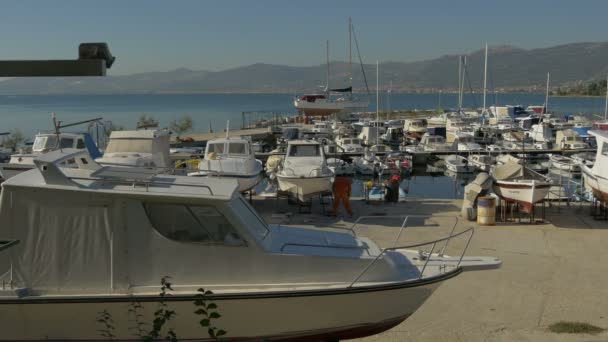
x=513, y=170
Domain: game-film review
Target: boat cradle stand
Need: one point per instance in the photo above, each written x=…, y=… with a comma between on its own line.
x=598, y=210
x=326, y=200
x=511, y=211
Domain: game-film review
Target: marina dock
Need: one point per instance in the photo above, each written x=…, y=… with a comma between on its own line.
x=551, y=271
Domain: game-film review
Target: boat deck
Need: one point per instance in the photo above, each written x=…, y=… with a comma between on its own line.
x=551, y=272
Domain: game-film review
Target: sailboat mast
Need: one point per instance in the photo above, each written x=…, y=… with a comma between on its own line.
x=606, y=108
x=388, y=101
x=459, y=83
x=350, y=55
x=327, y=76
x=377, y=100
x=485, y=78
x=546, y=109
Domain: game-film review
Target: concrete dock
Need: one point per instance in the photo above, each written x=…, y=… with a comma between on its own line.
x=551, y=272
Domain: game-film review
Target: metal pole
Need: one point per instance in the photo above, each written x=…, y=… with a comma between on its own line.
x=546, y=109
x=350, y=55
x=485, y=78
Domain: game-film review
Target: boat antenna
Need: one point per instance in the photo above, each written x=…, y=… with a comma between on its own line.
x=56, y=125
x=485, y=79
x=546, y=109
x=227, y=129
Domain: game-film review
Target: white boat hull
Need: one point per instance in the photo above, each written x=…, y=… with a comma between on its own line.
x=304, y=188
x=313, y=315
x=526, y=193
x=597, y=184
x=246, y=182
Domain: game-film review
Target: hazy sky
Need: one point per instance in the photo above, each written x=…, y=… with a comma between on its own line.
x=148, y=35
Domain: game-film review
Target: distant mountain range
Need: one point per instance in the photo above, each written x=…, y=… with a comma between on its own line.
x=509, y=69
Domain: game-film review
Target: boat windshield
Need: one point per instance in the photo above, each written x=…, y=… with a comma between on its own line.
x=255, y=223
x=356, y=142
x=191, y=223
x=237, y=148
x=130, y=145
x=44, y=142
x=347, y=141
x=218, y=148
x=304, y=151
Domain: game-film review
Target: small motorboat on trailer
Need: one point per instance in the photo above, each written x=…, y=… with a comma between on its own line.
x=117, y=231
x=304, y=172
x=231, y=158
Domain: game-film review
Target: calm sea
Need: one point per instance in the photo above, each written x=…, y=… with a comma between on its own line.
x=31, y=114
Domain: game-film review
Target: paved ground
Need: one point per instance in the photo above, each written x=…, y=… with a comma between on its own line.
x=551, y=272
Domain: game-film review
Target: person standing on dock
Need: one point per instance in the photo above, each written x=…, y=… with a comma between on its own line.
x=342, y=188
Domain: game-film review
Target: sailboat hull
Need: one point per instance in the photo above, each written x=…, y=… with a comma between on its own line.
x=289, y=316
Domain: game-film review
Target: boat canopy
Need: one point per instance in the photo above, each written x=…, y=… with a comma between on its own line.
x=513, y=170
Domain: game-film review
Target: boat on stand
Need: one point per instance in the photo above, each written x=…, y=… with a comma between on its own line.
x=231, y=158
x=304, y=172
x=594, y=178
x=513, y=182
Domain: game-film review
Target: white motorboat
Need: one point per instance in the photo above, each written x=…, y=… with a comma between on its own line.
x=380, y=148
x=465, y=141
x=415, y=125
x=370, y=135
x=323, y=127
x=304, y=172
x=483, y=162
x=340, y=167
x=535, y=164
x=432, y=143
x=140, y=148
x=349, y=145
x=231, y=158
x=584, y=158
x=593, y=177
x=515, y=183
x=44, y=143
x=458, y=164
x=118, y=231
x=438, y=120
x=564, y=163
x=368, y=164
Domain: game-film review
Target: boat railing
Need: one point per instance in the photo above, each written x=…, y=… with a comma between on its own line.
x=426, y=256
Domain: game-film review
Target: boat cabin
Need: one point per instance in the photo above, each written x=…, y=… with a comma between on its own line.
x=139, y=148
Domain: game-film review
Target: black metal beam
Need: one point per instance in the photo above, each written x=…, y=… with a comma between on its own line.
x=53, y=68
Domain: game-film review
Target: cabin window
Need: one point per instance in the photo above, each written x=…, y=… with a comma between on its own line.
x=237, y=148
x=304, y=151
x=80, y=144
x=347, y=142
x=605, y=149
x=217, y=148
x=256, y=225
x=192, y=223
x=44, y=142
x=66, y=143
